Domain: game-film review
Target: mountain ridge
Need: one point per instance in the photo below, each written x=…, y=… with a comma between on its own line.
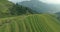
x=39, y=6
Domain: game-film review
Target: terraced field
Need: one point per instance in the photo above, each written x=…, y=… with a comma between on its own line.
x=30, y=23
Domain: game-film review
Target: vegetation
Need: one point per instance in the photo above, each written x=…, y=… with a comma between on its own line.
x=19, y=10
x=30, y=23
x=18, y=18
x=10, y=9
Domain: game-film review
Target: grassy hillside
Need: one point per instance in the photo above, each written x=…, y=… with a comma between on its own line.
x=4, y=8
x=10, y=9
x=5, y=5
x=30, y=23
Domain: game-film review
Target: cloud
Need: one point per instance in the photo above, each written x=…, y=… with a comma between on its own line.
x=17, y=0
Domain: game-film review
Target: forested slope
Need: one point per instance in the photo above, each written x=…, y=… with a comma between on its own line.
x=10, y=9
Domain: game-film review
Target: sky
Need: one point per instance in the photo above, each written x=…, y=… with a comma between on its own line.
x=51, y=1
x=45, y=1
x=18, y=0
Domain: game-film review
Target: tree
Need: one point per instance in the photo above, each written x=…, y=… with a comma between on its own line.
x=19, y=10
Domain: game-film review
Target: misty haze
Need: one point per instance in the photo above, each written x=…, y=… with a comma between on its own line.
x=29, y=15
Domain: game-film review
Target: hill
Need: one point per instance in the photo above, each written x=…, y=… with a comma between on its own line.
x=58, y=15
x=39, y=6
x=30, y=23
x=4, y=6
x=8, y=9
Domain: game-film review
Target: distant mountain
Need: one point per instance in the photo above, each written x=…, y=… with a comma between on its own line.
x=58, y=15
x=40, y=6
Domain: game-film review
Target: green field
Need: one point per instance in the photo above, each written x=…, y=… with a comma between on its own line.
x=30, y=23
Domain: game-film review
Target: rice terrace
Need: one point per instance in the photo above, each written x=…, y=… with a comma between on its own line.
x=19, y=18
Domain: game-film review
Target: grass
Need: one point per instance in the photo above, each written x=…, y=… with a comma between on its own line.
x=30, y=23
